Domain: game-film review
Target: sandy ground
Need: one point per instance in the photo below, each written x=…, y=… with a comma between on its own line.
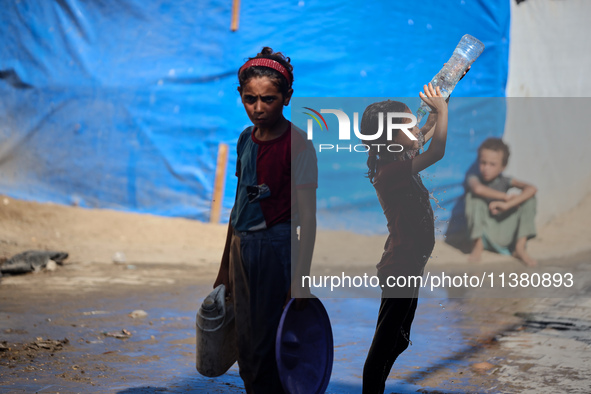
x=96, y=236
x=120, y=262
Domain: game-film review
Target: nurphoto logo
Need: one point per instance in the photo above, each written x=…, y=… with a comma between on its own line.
x=345, y=130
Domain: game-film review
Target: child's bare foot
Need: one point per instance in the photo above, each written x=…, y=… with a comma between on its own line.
x=522, y=255
x=476, y=253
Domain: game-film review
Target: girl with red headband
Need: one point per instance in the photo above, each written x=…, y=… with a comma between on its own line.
x=277, y=180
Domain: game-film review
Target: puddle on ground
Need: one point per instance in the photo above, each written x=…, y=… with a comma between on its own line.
x=160, y=354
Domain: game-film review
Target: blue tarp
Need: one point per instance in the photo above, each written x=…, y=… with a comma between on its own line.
x=122, y=103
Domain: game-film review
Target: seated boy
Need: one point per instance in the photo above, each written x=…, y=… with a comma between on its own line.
x=499, y=221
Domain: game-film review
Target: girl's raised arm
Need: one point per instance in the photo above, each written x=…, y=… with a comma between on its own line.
x=434, y=99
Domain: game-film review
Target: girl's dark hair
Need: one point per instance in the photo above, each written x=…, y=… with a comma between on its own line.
x=275, y=76
x=369, y=125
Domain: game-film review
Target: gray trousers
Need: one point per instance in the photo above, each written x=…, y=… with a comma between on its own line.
x=500, y=232
x=260, y=272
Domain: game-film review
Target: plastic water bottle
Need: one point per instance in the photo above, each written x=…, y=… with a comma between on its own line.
x=467, y=51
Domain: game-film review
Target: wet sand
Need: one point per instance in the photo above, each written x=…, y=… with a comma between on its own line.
x=474, y=345
x=462, y=343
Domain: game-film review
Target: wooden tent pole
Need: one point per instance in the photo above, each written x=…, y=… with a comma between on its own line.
x=218, y=186
x=235, y=14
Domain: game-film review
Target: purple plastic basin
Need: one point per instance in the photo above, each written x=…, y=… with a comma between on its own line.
x=304, y=348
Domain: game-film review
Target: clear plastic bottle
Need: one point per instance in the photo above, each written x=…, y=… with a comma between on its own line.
x=467, y=51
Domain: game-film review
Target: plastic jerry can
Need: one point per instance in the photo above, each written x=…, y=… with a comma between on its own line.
x=216, y=337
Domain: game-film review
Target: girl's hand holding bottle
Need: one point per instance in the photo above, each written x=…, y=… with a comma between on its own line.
x=433, y=98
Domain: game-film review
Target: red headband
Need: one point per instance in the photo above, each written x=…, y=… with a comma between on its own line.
x=270, y=63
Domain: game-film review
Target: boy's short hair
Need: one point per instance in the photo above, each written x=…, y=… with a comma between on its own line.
x=497, y=145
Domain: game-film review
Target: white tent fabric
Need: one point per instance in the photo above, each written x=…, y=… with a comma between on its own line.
x=546, y=128
x=550, y=51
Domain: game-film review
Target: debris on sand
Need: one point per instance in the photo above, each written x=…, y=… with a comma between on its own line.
x=138, y=313
x=95, y=313
x=119, y=258
x=123, y=334
x=32, y=260
x=48, y=344
x=25, y=353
